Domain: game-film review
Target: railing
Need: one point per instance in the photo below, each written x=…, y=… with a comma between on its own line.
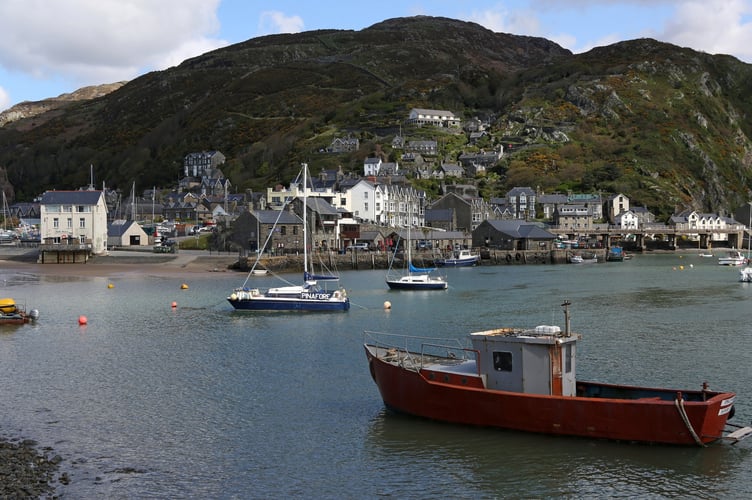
x=65, y=247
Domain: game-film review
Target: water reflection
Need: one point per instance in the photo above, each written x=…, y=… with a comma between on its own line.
x=492, y=463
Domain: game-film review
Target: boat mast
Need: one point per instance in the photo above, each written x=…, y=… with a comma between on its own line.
x=305, y=221
x=409, y=240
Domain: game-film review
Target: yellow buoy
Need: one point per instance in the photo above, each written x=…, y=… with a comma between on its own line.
x=184, y=286
x=110, y=285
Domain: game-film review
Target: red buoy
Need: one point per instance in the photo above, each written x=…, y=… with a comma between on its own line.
x=174, y=304
x=82, y=320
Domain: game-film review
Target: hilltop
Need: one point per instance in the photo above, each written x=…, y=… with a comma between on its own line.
x=664, y=124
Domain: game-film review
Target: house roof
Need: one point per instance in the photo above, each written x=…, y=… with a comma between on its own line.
x=270, y=217
x=519, y=230
x=120, y=226
x=320, y=206
x=71, y=197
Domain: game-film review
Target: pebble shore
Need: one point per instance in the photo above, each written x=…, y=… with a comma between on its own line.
x=27, y=471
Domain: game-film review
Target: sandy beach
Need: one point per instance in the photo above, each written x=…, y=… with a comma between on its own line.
x=118, y=263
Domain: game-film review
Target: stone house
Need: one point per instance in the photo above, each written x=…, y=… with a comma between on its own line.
x=512, y=235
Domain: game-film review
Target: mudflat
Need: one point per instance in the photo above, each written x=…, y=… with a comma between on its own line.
x=121, y=263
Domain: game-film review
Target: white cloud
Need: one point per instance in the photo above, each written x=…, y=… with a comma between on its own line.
x=501, y=20
x=272, y=22
x=99, y=41
x=4, y=99
x=713, y=26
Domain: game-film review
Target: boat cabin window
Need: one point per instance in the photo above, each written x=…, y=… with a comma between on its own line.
x=568, y=358
x=502, y=361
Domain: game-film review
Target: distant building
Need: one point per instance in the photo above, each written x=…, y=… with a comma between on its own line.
x=512, y=235
x=126, y=233
x=344, y=145
x=433, y=117
x=73, y=226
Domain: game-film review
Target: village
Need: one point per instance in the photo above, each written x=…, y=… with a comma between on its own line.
x=366, y=212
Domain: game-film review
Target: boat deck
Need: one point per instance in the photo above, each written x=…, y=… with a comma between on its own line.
x=416, y=361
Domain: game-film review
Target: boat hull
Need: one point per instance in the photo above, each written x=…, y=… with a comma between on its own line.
x=458, y=262
x=406, y=284
x=462, y=399
x=289, y=299
x=284, y=304
x=15, y=319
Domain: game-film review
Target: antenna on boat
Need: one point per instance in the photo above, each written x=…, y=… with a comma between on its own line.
x=565, y=305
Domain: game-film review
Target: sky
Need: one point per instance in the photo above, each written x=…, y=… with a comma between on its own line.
x=51, y=47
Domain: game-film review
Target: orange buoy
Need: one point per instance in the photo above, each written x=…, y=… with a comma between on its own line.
x=174, y=304
x=82, y=320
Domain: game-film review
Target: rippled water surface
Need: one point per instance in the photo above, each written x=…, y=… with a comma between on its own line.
x=201, y=401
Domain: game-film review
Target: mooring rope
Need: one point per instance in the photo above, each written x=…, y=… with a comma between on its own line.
x=679, y=403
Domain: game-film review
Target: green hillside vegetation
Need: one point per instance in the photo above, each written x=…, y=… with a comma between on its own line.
x=665, y=125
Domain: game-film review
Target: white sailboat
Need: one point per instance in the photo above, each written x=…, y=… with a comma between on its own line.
x=6, y=234
x=413, y=278
x=310, y=296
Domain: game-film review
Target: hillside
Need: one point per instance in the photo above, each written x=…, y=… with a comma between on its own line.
x=664, y=124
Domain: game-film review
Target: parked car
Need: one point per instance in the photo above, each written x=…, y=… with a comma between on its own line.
x=358, y=246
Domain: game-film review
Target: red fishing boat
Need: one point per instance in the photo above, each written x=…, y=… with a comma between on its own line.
x=524, y=379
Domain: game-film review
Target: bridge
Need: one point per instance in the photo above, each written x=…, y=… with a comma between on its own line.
x=608, y=234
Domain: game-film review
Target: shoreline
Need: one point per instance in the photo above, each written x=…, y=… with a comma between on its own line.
x=131, y=262
x=119, y=263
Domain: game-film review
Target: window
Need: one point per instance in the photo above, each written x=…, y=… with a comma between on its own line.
x=56, y=223
x=502, y=361
x=283, y=230
x=67, y=208
x=82, y=239
x=82, y=222
x=568, y=358
x=70, y=223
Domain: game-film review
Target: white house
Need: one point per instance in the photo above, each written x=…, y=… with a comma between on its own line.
x=627, y=220
x=73, y=225
x=371, y=167
x=365, y=201
x=433, y=117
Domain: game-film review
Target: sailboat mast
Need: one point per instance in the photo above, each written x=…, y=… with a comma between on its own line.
x=305, y=221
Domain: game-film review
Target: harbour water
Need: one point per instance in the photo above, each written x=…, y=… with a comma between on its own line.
x=201, y=401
